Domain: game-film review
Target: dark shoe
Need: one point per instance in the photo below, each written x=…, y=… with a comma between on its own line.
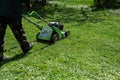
x=25, y=50
x=3, y=58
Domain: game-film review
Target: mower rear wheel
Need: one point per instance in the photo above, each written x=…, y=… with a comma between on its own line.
x=67, y=33
x=54, y=38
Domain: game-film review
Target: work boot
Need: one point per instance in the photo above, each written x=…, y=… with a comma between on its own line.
x=2, y=57
x=26, y=49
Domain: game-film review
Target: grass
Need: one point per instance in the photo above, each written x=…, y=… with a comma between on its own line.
x=73, y=2
x=91, y=52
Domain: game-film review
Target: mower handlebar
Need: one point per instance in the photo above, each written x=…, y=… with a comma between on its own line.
x=29, y=20
x=35, y=14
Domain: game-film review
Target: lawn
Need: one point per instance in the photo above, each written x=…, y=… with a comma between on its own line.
x=91, y=52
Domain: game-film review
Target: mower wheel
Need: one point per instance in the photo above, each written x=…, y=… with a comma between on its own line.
x=54, y=38
x=67, y=33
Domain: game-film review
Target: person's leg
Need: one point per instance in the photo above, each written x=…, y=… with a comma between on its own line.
x=3, y=26
x=19, y=33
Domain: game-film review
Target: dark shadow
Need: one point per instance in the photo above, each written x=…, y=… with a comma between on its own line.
x=64, y=14
x=22, y=55
x=46, y=46
x=60, y=13
x=46, y=43
x=15, y=58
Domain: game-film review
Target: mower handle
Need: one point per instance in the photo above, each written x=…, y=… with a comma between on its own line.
x=29, y=20
x=35, y=14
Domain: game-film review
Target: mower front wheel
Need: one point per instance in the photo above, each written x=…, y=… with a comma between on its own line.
x=54, y=38
x=67, y=33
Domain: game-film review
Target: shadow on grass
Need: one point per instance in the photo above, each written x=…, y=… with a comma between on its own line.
x=62, y=13
x=22, y=55
x=15, y=58
x=47, y=44
x=58, y=12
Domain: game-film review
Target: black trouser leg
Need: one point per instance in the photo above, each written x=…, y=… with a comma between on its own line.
x=3, y=27
x=19, y=33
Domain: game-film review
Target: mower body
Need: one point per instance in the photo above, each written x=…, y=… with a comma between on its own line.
x=52, y=32
x=45, y=34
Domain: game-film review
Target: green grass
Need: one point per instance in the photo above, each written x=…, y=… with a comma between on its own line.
x=74, y=2
x=91, y=52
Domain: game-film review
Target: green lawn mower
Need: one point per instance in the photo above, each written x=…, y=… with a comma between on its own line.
x=52, y=32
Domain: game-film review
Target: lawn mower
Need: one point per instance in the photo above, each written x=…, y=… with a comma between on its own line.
x=52, y=32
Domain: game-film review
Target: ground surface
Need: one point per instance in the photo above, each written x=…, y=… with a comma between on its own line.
x=91, y=52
